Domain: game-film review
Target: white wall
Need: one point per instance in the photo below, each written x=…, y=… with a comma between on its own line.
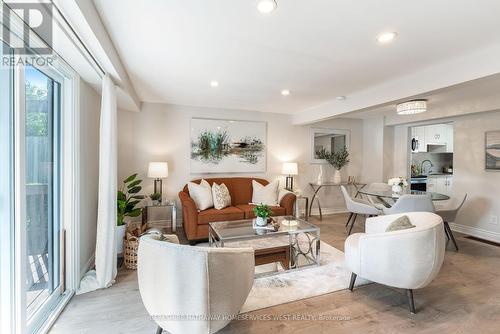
x=89, y=172
x=470, y=176
x=161, y=132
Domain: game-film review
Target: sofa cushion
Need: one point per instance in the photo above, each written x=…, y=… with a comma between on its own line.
x=240, y=188
x=265, y=194
x=213, y=215
x=201, y=194
x=222, y=198
x=401, y=223
x=248, y=210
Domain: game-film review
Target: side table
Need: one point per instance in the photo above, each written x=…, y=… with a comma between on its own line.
x=173, y=213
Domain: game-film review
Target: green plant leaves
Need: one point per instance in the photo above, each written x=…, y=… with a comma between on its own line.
x=130, y=178
x=133, y=184
x=134, y=190
x=128, y=199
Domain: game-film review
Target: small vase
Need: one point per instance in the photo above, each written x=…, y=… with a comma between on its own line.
x=337, y=179
x=397, y=189
x=261, y=221
x=320, y=175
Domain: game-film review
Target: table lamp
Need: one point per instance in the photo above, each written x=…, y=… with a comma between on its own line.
x=158, y=171
x=289, y=169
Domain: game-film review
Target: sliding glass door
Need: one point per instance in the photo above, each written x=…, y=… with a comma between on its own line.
x=43, y=227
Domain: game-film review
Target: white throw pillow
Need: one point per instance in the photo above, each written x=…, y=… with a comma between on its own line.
x=265, y=194
x=201, y=194
x=221, y=196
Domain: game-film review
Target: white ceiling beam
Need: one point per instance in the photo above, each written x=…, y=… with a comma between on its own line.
x=471, y=66
x=85, y=20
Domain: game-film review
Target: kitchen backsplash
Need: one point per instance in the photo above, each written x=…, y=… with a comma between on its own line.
x=439, y=160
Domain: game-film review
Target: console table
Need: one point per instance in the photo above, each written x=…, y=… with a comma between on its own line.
x=316, y=187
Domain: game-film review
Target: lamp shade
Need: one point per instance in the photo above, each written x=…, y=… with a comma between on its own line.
x=290, y=168
x=158, y=170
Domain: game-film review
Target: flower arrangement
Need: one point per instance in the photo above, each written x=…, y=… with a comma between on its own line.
x=336, y=159
x=398, y=181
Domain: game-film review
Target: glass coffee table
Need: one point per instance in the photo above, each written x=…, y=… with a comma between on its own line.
x=295, y=246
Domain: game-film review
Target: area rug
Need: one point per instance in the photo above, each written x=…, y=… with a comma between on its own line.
x=284, y=287
x=332, y=275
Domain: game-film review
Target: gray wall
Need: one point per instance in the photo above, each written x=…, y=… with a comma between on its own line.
x=90, y=106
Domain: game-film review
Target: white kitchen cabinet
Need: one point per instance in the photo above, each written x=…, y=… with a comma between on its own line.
x=419, y=134
x=436, y=134
x=440, y=184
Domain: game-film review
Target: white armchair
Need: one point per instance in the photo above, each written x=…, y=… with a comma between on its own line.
x=179, y=282
x=407, y=259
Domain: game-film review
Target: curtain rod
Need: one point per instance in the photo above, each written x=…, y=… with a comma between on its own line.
x=96, y=63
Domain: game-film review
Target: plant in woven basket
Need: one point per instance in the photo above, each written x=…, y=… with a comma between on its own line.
x=128, y=199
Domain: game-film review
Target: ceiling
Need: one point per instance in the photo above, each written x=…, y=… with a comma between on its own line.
x=318, y=49
x=471, y=97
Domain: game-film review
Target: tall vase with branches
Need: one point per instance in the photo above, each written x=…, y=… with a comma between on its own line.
x=337, y=159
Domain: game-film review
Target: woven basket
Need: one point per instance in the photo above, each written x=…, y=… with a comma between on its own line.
x=130, y=247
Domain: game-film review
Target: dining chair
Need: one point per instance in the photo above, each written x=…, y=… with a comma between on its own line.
x=411, y=203
x=358, y=206
x=374, y=200
x=448, y=210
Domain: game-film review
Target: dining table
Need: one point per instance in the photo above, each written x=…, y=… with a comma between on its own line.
x=383, y=195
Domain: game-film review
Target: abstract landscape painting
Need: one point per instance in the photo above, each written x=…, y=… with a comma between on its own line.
x=493, y=150
x=226, y=146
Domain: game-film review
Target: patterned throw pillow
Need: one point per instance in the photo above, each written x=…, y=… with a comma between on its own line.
x=402, y=223
x=222, y=198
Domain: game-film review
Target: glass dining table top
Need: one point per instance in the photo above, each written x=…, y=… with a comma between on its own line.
x=390, y=194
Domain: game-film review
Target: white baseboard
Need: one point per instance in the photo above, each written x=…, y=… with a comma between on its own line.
x=476, y=232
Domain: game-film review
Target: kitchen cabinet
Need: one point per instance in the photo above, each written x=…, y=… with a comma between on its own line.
x=419, y=134
x=442, y=184
x=436, y=134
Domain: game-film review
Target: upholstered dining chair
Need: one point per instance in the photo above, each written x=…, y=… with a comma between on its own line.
x=411, y=203
x=375, y=201
x=357, y=206
x=190, y=289
x=407, y=259
x=448, y=210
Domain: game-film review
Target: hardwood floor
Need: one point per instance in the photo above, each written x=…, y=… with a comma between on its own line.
x=464, y=298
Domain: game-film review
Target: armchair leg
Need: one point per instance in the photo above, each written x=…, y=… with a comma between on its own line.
x=159, y=330
x=411, y=302
x=353, y=280
x=352, y=224
x=348, y=220
x=450, y=233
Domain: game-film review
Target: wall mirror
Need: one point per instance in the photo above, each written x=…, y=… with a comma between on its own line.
x=332, y=140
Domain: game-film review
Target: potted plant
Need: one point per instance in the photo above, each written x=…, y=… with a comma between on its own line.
x=156, y=198
x=127, y=201
x=262, y=212
x=398, y=183
x=337, y=160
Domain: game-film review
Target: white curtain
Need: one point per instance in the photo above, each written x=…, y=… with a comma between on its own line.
x=105, y=253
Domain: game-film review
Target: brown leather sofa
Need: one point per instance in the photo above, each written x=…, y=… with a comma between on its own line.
x=196, y=223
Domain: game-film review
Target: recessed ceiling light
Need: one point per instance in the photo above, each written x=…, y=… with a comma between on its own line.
x=387, y=37
x=266, y=6
x=341, y=98
x=214, y=83
x=412, y=107
x=285, y=92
